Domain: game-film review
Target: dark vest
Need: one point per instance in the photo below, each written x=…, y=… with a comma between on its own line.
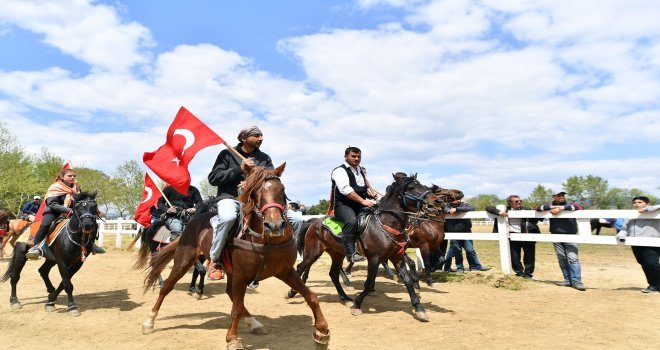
x=360, y=190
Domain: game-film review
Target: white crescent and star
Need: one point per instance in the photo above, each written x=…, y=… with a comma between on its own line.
x=188, y=135
x=149, y=194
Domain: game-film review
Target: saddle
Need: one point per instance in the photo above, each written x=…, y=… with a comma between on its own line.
x=30, y=230
x=336, y=226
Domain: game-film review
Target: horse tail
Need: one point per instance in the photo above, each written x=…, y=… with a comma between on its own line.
x=10, y=268
x=158, y=263
x=137, y=236
x=300, y=235
x=143, y=252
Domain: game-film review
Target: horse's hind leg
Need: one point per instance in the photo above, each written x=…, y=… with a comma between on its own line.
x=178, y=271
x=321, y=333
x=198, y=271
x=335, y=268
x=369, y=284
x=310, y=255
x=15, y=267
x=44, y=270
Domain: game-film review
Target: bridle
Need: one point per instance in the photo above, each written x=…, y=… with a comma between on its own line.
x=80, y=218
x=259, y=213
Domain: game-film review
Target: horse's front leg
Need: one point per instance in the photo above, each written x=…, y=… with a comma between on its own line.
x=414, y=298
x=16, y=267
x=322, y=333
x=44, y=271
x=52, y=296
x=237, y=297
x=369, y=284
x=72, y=308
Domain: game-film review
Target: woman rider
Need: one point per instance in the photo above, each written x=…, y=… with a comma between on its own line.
x=59, y=200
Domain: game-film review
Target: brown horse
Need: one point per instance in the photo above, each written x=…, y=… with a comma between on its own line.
x=266, y=248
x=15, y=228
x=429, y=234
x=384, y=239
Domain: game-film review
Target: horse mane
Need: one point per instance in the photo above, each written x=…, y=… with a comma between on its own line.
x=397, y=187
x=85, y=195
x=253, y=183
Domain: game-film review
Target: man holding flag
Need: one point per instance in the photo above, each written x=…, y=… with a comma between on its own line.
x=228, y=174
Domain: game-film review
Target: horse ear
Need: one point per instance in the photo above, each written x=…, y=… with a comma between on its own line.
x=93, y=194
x=280, y=169
x=398, y=176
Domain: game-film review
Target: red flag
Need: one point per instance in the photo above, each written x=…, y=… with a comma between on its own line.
x=150, y=196
x=40, y=213
x=186, y=136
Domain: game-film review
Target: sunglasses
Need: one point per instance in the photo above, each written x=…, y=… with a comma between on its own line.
x=519, y=201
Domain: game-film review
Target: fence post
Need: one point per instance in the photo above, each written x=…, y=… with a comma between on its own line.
x=505, y=244
x=101, y=233
x=119, y=228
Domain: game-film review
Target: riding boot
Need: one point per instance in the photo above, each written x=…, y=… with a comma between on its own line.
x=96, y=249
x=349, y=247
x=36, y=251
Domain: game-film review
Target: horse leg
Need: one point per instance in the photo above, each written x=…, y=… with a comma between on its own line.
x=369, y=284
x=72, y=308
x=322, y=333
x=344, y=277
x=14, y=270
x=309, y=258
x=256, y=327
x=199, y=270
x=52, y=295
x=237, y=297
x=44, y=270
x=414, y=298
x=335, y=268
x=349, y=269
x=178, y=271
x=427, y=266
x=388, y=271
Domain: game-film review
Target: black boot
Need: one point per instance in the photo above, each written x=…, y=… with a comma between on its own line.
x=349, y=248
x=96, y=249
x=36, y=251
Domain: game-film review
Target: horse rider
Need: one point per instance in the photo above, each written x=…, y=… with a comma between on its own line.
x=30, y=209
x=228, y=174
x=179, y=202
x=350, y=194
x=59, y=201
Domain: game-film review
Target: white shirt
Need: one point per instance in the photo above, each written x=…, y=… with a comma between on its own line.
x=340, y=177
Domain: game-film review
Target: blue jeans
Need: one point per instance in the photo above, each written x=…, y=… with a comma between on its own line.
x=567, y=255
x=228, y=211
x=455, y=251
x=175, y=225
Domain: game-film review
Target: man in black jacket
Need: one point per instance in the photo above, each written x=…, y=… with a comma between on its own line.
x=457, y=245
x=227, y=174
x=524, y=225
x=179, y=202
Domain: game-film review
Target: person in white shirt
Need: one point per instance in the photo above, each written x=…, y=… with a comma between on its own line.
x=350, y=194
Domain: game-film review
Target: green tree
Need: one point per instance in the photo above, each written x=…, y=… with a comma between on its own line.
x=590, y=191
x=539, y=195
x=481, y=201
x=128, y=181
x=96, y=180
x=207, y=190
x=17, y=185
x=319, y=208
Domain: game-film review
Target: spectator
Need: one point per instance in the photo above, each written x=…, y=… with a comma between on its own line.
x=647, y=257
x=567, y=253
x=456, y=246
x=30, y=209
x=180, y=202
x=524, y=225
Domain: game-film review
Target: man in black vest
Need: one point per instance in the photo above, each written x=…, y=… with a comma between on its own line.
x=349, y=195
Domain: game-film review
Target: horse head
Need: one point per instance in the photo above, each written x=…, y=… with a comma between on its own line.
x=446, y=194
x=85, y=211
x=263, y=198
x=414, y=195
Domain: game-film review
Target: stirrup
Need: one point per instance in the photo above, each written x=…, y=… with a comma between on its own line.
x=35, y=253
x=357, y=257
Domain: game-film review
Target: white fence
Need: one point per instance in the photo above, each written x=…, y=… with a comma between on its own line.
x=584, y=230
x=130, y=228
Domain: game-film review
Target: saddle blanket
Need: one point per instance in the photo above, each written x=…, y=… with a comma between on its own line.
x=333, y=225
x=28, y=235
x=162, y=235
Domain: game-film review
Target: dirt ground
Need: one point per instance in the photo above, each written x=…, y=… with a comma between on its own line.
x=466, y=311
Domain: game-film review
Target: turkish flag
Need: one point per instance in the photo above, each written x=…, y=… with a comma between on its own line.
x=150, y=196
x=40, y=213
x=186, y=136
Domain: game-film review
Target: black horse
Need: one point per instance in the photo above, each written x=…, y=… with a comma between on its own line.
x=597, y=225
x=69, y=250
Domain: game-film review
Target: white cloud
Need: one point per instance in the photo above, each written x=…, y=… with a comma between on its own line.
x=456, y=101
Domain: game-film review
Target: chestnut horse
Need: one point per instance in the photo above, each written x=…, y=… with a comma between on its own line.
x=265, y=248
x=69, y=250
x=15, y=228
x=429, y=234
x=383, y=239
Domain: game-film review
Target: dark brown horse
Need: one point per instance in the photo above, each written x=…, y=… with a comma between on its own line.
x=383, y=239
x=265, y=249
x=429, y=234
x=69, y=250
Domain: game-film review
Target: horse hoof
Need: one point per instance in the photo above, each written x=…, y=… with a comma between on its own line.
x=197, y=296
x=16, y=306
x=259, y=331
x=356, y=312
x=147, y=329
x=49, y=307
x=422, y=316
x=321, y=339
x=290, y=295
x=74, y=312
x=235, y=345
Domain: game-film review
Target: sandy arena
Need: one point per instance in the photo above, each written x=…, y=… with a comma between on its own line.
x=466, y=311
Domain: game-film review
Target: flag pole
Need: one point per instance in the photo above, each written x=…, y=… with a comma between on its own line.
x=366, y=181
x=161, y=191
x=233, y=150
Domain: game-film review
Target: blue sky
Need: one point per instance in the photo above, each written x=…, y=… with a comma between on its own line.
x=486, y=96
